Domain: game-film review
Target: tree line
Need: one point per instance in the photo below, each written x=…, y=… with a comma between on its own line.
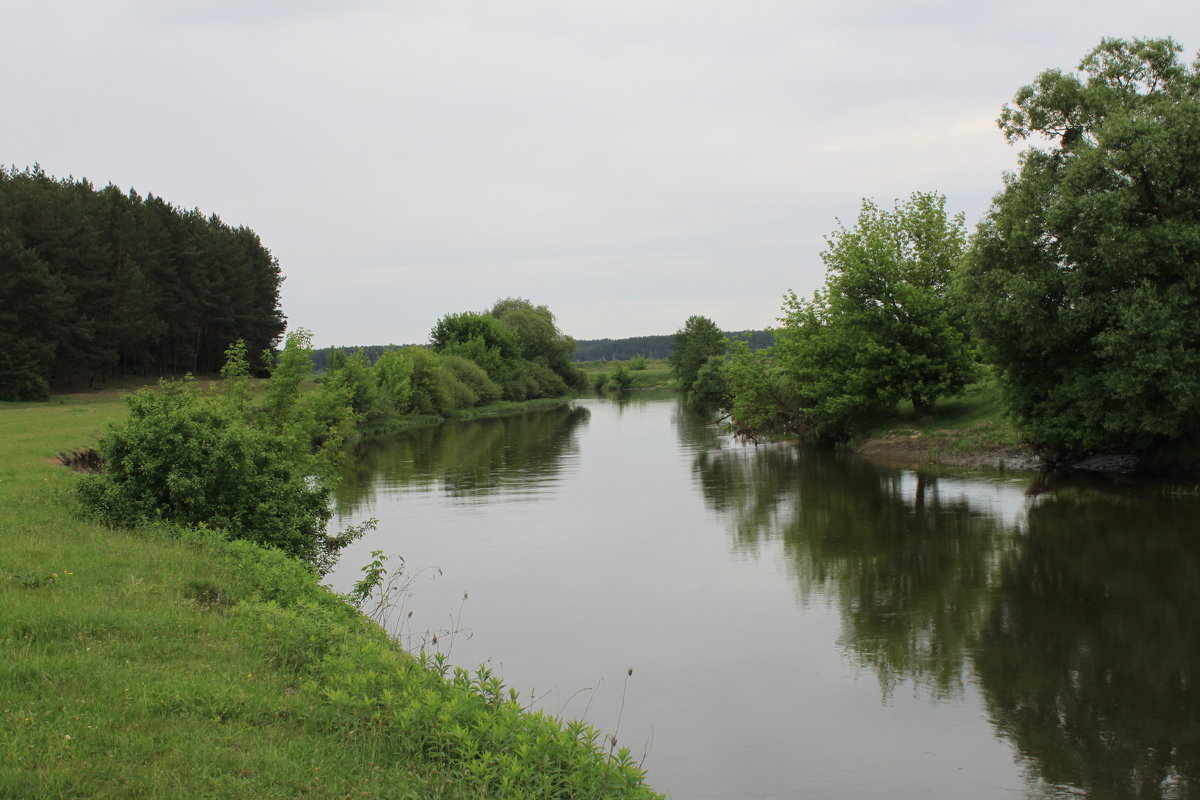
x=1079, y=290
x=512, y=351
x=97, y=283
x=652, y=346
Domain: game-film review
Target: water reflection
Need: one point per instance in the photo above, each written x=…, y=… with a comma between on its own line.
x=1069, y=604
x=521, y=453
x=1090, y=652
x=910, y=566
x=1042, y=624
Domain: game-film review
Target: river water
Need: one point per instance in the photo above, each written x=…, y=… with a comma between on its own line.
x=799, y=624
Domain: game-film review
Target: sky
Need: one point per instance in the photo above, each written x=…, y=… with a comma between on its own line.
x=628, y=163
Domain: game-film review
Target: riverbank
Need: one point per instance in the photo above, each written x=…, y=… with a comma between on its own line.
x=967, y=431
x=653, y=373
x=973, y=431
x=159, y=662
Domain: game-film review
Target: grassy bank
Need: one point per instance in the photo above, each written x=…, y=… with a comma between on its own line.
x=656, y=375
x=969, y=430
x=161, y=663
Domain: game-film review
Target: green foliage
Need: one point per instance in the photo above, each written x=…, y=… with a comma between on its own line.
x=518, y=346
x=763, y=396
x=538, y=337
x=32, y=304
x=393, y=375
x=883, y=329
x=1082, y=279
x=481, y=338
x=620, y=380
x=309, y=421
x=293, y=366
x=698, y=340
x=886, y=293
x=542, y=344
x=236, y=373
x=350, y=376
x=21, y=378
x=711, y=387
x=541, y=380
x=483, y=389
x=637, y=363
x=194, y=460
x=101, y=283
x=211, y=460
x=429, y=392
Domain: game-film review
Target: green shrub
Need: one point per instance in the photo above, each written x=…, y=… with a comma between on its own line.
x=291, y=368
x=621, y=379
x=393, y=376
x=431, y=392
x=352, y=373
x=575, y=378
x=189, y=458
x=474, y=377
x=548, y=383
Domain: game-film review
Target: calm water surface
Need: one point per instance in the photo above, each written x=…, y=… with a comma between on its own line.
x=801, y=624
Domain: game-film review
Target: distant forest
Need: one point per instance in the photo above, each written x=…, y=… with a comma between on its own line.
x=585, y=350
x=653, y=346
x=97, y=283
x=323, y=357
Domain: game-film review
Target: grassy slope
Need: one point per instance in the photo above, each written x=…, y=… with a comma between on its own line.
x=968, y=430
x=137, y=665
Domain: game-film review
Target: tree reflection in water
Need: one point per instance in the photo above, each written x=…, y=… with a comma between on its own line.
x=1073, y=616
x=1089, y=656
x=466, y=459
x=910, y=567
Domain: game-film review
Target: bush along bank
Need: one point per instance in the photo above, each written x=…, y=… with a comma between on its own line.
x=239, y=480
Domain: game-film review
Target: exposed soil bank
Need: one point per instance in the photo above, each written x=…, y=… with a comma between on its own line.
x=915, y=448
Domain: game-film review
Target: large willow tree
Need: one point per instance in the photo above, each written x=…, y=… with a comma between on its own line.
x=1084, y=278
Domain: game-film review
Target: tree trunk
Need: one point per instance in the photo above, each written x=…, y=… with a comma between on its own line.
x=919, y=407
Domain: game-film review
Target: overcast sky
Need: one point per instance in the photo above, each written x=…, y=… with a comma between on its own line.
x=626, y=162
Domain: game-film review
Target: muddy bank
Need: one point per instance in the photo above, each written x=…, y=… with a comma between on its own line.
x=914, y=449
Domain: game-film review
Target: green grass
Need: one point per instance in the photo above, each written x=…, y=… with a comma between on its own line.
x=166, y=664
x=656, y=375
x=972, y=422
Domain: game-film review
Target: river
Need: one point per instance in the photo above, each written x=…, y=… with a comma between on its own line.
x=799, y=623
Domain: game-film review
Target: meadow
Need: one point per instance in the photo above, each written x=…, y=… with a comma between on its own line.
x=650, y=373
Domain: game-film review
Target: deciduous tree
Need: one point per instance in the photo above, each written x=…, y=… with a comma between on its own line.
x=882, y=329
x=698, y=340
x=1084, y=278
